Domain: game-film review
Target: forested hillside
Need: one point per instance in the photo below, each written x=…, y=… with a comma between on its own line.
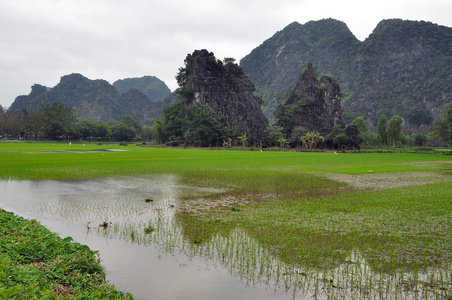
x=402, y=68
x=97, y=100
x=151, y=86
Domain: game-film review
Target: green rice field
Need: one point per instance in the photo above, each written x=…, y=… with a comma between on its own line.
x=320, y=224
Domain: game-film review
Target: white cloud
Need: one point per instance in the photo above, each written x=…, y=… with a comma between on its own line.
x=114, y=39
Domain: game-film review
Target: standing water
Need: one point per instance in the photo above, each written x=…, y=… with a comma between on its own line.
x=110, y=215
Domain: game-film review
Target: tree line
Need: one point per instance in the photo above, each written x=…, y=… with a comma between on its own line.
x=58, y=121
x=200, y=126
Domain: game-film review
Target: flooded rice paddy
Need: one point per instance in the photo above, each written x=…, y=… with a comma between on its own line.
x=110, y=215
x=133, y=223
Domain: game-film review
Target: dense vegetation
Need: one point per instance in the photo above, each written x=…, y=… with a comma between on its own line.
x=400, y=69
x=37, y=264
x=57, y=122
x=198, y=125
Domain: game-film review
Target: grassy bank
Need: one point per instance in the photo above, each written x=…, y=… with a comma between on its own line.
x=37, y=264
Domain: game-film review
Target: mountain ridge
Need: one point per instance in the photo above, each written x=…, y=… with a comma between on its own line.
x=93, y=100
x=399, y=69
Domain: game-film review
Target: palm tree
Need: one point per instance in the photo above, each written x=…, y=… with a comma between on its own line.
x=243, y=138
x=316, y=137
x=281, y=141
x=304, y=141
x=308, y=139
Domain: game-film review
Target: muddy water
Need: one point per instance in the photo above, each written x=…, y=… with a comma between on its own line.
x=134, y=262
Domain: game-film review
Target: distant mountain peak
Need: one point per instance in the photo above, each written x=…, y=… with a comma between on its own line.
x=154, y=88
x=94, y=100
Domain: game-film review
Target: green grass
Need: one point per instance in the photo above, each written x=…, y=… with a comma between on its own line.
x=61, y=161
x=37, y=264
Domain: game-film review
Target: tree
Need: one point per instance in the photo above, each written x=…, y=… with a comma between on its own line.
x=297, y=133
x=10, y=123
x=282, y=141
x=103, y=130
x=371, y=139
x=310, y=139
x=336, y=138
x=181, y=76
x=394, y=129
x=419, y=139
x=228, y=60
x=244, y=139
x=198, y=125
x=87, y=129
x=381, y=130
x=340, y=140
x=442, y=128
x=160, y=132
x=58, y=120
x=354, y=140
x=122, y=131
x=361, y=123
x=148, y=133
x=204, y=128
x=32, y=122
x=274, y=132
x=419, y=116
x=315, y=137
x=133, y=122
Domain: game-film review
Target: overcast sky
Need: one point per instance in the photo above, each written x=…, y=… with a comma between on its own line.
x=40, y=41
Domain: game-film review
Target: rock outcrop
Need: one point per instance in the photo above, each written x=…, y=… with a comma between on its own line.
x=227, y=90
x=313, y=104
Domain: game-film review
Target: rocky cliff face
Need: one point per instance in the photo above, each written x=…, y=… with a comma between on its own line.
x=227, y=90
x=313, y=104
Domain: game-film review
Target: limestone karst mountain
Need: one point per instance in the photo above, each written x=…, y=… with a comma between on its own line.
x=94, y=100
x=314, y=104
x=227, y=90
x=402, y=68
